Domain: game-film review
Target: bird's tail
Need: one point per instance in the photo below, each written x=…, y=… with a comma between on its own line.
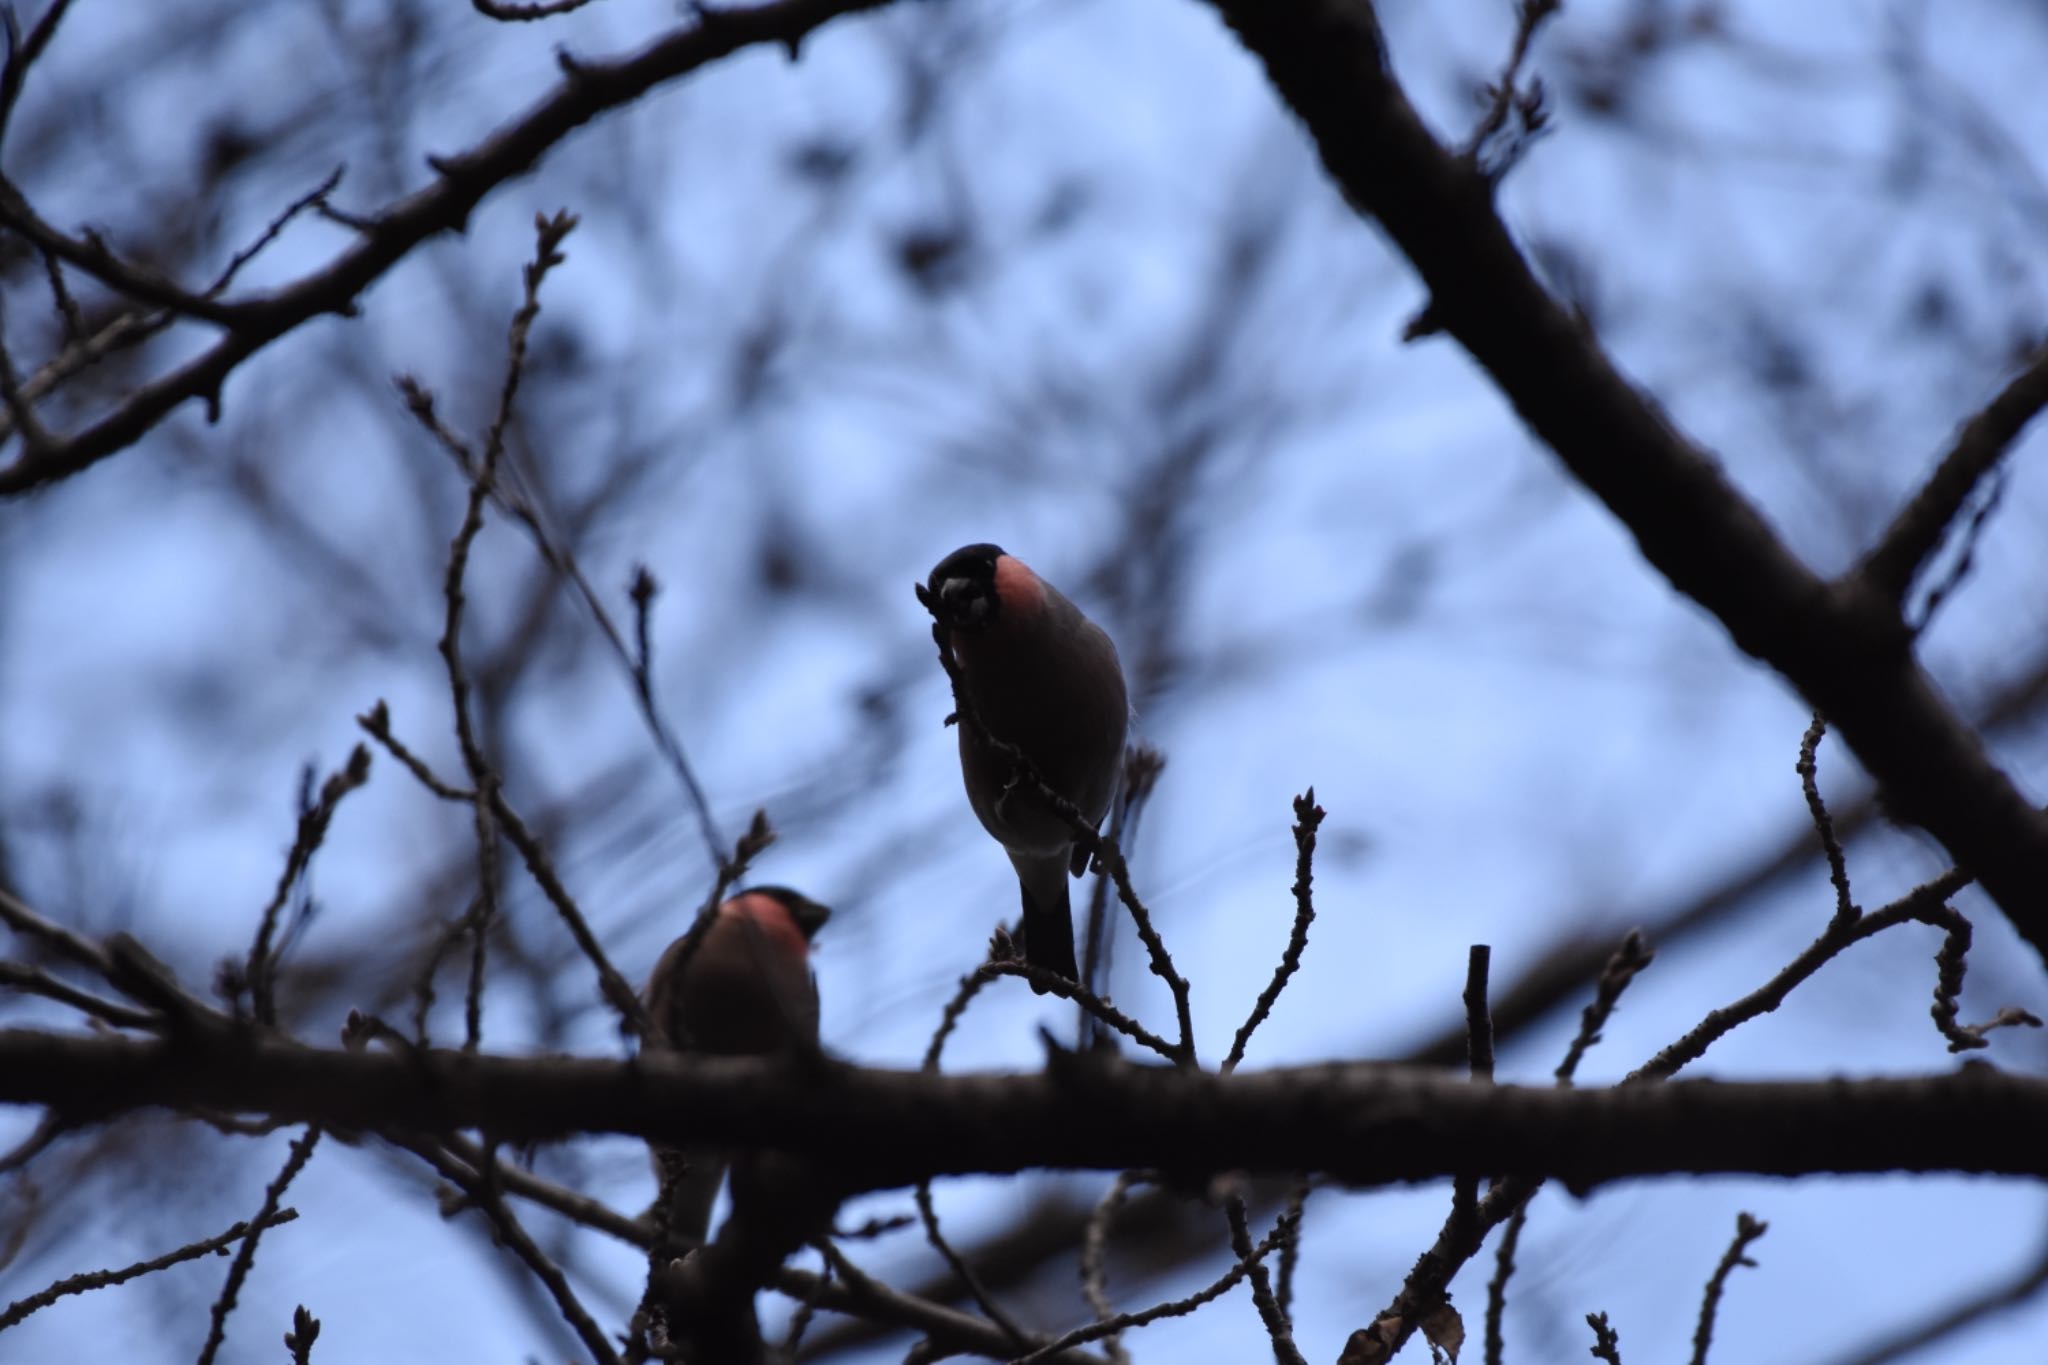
x=1049, y=922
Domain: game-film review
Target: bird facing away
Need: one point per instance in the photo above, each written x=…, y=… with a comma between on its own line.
x=1039, y=676
x=747, y=991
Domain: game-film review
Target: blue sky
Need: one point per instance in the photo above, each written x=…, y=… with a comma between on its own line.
x=1814, y=232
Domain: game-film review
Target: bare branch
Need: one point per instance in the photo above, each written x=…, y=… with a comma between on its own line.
x=305, y=1331
x=1911, y=539
x=1176, y=1308
x=1308, y=816
x=1841, y=644
x=313, y=822
x=1362, y=1123
x=859, y=1294
x=1278, y=1329
x=30, y=981
x=1606, y=1341
x=103, y=1279
x=479, y=1186
x=1747, y=1230
x=586, y=90
x=245, y=1255
x=526, y=13
x=1808, y=768
x=1095, y=1257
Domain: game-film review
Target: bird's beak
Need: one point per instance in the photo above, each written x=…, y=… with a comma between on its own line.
x=810, y=917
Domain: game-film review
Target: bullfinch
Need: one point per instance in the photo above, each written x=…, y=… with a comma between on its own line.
x=747, y=991
x=1039, y=676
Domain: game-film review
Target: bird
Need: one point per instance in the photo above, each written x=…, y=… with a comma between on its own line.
x=1043, y=678
x=746, y=991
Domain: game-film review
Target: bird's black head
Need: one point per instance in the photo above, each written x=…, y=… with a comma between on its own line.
x=962, y=590
x=808, y=914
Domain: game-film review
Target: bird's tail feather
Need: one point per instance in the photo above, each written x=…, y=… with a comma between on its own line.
x=1049, y=929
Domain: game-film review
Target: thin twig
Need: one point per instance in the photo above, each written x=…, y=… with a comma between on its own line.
x=526, y=13
x=1606, y=1341
x=1979, y=449
x=60, y=296
x=376, y=722
x=22, y=54
x=33, y=981
x=312, y=198
x=548, y=236
x=245, y=1255
x=1747, y=1230
x=1095, y=1257
x=572, y=1205
x=23, y=920
x=47, y=1130
x=1460, y=1238
x=1497, y=1287
x=1278, y=1329
x=305, y=1331
x=562, y=561
x=1504, y=95
x=1629, y=959
x=1808, y=768
x=617, y=991
x=806, y=1310
x=1965, y=558
x=1622, y=967
x=1308, y=816
x=479, y=1186
x=1479, y=1058
x=928, y=1214
x=261, y=972
x=1290, y=1249
x=1122, y=1322
x=1926, y=904
x=859, y=1294
x=103, y=1279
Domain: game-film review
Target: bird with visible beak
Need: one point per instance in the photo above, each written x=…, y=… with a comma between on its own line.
x=1041, y=677
x=747, y=991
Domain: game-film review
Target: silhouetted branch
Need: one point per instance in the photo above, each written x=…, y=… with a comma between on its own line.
x=1747, y=1230
x=1842, y=644
x=586, y=90
x=102, y=1279
x=313, y=822
x=1808, y=768
x=1606, y=1341
x=1176, y=1308
x=480, y=1190
x=245, y=1255
x=1358, y=1122
x=1308, y=816
x=1911, y=539
x=305, y=1331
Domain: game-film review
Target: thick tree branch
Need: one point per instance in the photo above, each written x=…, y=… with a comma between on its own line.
x=1843, y=645
x=586, y=90
x=1361, y=1123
